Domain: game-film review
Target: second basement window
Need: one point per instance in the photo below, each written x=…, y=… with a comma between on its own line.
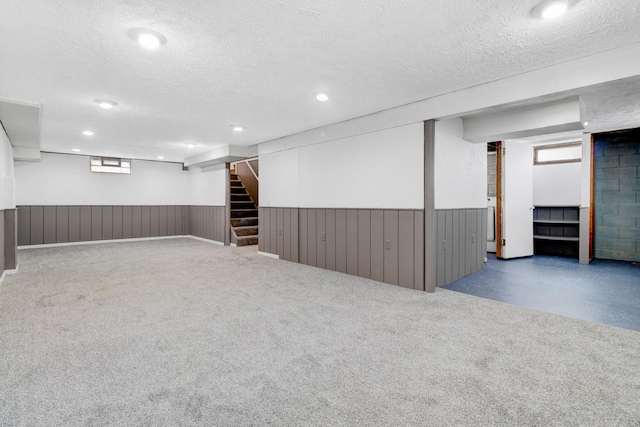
x=557, y=153
x=110, y=165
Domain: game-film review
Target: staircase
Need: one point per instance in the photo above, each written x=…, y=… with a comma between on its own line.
x=244, y=214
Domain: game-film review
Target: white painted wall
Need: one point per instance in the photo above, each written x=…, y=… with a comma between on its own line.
x=61, y=179
x=460, y=168
x=557, y=184
x=377, y=170
x=206, y=187
x=7, y=181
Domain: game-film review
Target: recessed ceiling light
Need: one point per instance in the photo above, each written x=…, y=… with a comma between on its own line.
x=87, y=133
x=149, y=39
x=237, y=128
x=160, y=157
x=586, y=122
x=550, y=9
x=190, y=145
x=106, y=104
x=77, y=150
x=322, y=97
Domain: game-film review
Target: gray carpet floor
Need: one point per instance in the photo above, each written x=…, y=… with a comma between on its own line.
x=181, y=332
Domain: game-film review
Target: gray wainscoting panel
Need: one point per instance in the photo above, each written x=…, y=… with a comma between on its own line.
x=377, y=245
x=280, y=228
x=341, y=240
x=24, y=225
x=37, y=225
x=163, y=220
x=107, y=222
x=330, y=254
x=364, y=243
x=64, y=224
x=49, y=227
x=127, y=222
x=207, y=222
x=74, y=223
x=117, y=222
x=96, y=222
x=321, y=238
x=145, y=221
x=388, y=245
x=406, y=247
x=391, y=247
x=10, y=239
x=418, y=251
x=2, y=243
x=261, y=234
x=461, y=243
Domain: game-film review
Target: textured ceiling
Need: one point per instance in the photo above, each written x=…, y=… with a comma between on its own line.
x=258, y=63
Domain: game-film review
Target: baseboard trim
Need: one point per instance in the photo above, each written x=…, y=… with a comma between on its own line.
x=215, y=242
x=268, y=255
x=99, y=242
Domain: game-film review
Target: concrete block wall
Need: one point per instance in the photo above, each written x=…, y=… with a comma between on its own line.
x=617, y=204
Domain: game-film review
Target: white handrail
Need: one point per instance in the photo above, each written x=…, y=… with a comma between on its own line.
x=250, y=168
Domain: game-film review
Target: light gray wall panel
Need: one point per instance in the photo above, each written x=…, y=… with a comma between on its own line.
x=96, y=222
x=37, y=225
x=321, y=238
x=280, y=236
x=418, y=268
x=406, y=245
x=107, y=222
x=312, y=249
x=49, y=226
x=391, y=247
x=127, y=222
x=341, y=240
x=330, y=240
x=163, y=220
x=352, y=242
x=24, y=225
x=183, y=221
x=470, y=249
x=62, y=224
x=377, y=245
x=364, y=243
x=117, y=222
x=74, y=223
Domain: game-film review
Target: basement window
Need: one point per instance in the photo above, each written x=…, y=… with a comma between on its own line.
x=557, y=153
x=110, y=165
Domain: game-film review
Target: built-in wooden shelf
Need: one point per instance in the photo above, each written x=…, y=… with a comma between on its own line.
x=556, y=230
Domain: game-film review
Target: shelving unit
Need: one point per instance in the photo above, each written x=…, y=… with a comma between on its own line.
x=556, y=230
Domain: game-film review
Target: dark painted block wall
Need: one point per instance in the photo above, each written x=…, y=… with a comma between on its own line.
x=617, y=197
x=66, y=224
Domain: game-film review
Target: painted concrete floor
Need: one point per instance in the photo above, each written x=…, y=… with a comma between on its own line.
x=605, y=291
